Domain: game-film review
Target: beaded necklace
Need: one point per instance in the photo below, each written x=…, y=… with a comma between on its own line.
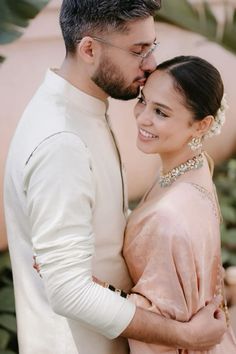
x=165, y=180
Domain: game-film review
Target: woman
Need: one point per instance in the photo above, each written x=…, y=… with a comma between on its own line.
x=172, y=242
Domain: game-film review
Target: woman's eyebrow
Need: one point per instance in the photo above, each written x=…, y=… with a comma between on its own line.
x=163, y=106
x=156, y=103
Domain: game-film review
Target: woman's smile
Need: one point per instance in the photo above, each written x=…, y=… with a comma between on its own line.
x=145, y=135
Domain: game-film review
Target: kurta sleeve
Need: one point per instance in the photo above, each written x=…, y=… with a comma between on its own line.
x=167, y=276
x=61, y=193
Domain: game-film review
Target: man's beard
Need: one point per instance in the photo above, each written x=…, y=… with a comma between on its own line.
x=111, y=80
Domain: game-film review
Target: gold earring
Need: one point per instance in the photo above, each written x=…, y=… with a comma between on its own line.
x=195, y=143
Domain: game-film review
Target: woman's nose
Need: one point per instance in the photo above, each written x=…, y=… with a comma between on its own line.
x=144, y=117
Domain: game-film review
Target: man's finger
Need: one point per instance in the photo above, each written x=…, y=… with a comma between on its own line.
x=219, y=314
x=215, y=302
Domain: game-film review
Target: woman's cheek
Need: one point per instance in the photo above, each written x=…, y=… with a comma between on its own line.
x=138, y=109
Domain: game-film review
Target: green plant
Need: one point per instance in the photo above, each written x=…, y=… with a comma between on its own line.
x=200, y=18
x=8, y=337
x=225, y=180
x=14, y=16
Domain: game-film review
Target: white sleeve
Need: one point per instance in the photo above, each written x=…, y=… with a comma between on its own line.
x=60, y=194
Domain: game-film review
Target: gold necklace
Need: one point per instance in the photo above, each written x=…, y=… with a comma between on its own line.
x=165, y=180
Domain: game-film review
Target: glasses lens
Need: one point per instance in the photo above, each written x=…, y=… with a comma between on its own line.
x=150, y=51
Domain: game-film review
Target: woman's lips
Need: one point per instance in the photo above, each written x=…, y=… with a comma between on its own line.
x=147, y=135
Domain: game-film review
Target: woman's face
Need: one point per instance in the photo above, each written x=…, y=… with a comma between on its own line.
x=165, y=125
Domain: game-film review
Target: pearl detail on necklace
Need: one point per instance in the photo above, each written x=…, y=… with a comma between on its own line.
x=165, y=180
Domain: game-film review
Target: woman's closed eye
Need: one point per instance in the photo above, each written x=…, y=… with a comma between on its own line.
x=141, y=100
x=160, y=113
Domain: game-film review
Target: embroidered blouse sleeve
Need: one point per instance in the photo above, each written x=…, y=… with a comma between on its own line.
x=60, y=194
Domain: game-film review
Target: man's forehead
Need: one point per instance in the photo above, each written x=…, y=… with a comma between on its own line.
x=140, y=32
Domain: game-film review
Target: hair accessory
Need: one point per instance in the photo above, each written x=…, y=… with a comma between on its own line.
x=219, y=120
x=165, y=180
x=195, y=143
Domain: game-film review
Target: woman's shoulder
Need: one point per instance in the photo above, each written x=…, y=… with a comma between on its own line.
x=175, y=210
x=163, y=217
x=184, y=194
x=178, y=197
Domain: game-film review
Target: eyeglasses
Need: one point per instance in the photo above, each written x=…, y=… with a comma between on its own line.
x=142, y=56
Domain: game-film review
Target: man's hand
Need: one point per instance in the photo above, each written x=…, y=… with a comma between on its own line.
x=203, y=332
x=206, y=328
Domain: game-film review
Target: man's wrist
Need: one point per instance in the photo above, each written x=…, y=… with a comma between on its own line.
x=183, y=335
x=120, y=292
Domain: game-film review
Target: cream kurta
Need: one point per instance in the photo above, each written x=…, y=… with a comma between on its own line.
x=63, y=199
x=172, y=248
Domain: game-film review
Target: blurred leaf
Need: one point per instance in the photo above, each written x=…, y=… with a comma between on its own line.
x=182, y=14
x=15, y=15
x=4, y=261
x=4, y=339
x=232, y=258
x=225, y=255
x=229, y=213
x=7, y=303
x=6, y=281
x=225, y=180
x=200, y=19
x=8, y=322
x=229, y=238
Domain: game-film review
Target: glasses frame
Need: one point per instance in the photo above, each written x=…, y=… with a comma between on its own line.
x=142, y=56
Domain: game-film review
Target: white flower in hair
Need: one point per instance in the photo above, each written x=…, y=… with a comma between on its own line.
x=219, y=120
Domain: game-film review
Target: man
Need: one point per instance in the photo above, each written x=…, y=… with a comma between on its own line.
x=65, y=196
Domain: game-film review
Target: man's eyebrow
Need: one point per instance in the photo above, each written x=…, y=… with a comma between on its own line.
x=145, y=43
x=157, y=103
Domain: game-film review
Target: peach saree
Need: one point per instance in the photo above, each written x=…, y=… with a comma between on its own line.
x=172, y=249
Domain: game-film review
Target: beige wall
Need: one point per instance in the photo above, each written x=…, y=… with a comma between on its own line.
x=42, y=46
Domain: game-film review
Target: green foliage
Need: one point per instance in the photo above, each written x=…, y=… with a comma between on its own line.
x=225, y=180
x=8, y=337
x=15, y=16
x=200, y=19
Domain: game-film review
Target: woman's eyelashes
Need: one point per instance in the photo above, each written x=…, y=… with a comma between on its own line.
x=160, y=113
x=157, y=111
x=141, y=100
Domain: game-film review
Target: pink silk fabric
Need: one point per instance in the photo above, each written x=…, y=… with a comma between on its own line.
x=172, y=249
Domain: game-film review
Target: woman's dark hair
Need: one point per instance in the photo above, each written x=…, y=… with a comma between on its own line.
x=199, y=81
x=79, y=18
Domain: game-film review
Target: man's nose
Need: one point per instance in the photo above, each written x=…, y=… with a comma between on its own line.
x=149, y=64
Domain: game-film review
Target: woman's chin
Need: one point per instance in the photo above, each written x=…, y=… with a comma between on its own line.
x=146, y=148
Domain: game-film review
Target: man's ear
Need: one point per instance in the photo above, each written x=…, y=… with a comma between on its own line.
x=86, y=49
x=202, y=126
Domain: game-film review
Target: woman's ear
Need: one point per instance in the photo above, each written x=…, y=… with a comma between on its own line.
x=202, y=126
x=85, y=49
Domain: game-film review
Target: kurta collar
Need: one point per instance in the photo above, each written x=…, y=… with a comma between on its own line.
x=87, y=103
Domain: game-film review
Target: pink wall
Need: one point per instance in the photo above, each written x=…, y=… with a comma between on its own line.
x=42, y=47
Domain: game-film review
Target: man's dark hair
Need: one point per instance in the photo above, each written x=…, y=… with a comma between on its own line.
x=79, y=18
